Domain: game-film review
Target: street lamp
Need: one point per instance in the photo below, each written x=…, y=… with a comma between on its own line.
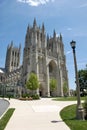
x=79, y=110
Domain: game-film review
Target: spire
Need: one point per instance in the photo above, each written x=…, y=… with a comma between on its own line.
x=54, y=34
x=47, y=37
x=60, y=37
x=34, y=23
x=28, y=28
x=11, y=43
x=43, y=28
x=47, y=41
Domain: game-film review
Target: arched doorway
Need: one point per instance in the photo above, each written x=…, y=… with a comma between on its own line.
x=52, y=69
x=41, y=90
x=52, y=76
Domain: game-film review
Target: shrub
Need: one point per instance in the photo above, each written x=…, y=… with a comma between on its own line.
x=85, y=108
x=25, y=95
x=36, y=96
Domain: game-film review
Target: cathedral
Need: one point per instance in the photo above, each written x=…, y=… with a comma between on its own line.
x=44, y=56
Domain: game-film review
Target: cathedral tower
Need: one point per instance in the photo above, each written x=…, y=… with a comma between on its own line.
x=12, y=58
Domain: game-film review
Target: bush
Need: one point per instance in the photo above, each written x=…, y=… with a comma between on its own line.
x=28, y=97
x=85, y=108
x=36, y=96
x=25, y=95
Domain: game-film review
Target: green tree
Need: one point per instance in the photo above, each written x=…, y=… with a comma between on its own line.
x=32, y=83
x=53, y=84
x=82, y=75
x=65, y=89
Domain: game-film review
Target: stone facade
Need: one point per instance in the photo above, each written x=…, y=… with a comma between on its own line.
x=12, y=58
x=44, y=56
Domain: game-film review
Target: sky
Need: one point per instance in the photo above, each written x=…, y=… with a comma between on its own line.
x=67, y=17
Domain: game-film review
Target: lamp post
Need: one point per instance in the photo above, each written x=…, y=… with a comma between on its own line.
x=79, y=109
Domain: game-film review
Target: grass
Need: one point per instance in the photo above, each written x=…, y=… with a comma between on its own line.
x=4, y=120
x=68, y=98
x=68, y=115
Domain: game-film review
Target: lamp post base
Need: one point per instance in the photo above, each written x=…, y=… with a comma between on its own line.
x=80, y=113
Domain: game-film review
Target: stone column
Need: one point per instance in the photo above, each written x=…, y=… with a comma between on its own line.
x=39, y=40
x=61, y=78
x=37, y=69
x=36, y=38
x=48, y=86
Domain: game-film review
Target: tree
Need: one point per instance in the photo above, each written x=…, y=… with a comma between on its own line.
x=82, y=75
x=85, y=108
x=32, y=83
x=53, y=84
x=65, y=88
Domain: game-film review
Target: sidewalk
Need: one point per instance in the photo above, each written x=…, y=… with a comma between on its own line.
x=37, y=115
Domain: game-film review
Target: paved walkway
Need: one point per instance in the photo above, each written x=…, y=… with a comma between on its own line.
x=37, y=115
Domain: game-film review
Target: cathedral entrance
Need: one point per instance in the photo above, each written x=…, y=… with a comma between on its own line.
x=41, y=90
x=52, y=78
x=52, y=69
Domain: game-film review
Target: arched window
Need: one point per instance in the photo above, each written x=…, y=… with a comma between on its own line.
x=12, y=63
x=50, y=68
x=13, y=53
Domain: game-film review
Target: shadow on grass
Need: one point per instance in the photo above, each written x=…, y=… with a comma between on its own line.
x=64, y=120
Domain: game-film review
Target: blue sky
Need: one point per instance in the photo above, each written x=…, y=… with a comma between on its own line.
x=67, y=17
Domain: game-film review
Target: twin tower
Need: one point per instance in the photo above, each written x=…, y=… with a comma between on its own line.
x=44, y=56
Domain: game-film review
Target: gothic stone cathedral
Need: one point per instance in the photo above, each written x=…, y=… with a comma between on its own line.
x=44, y=56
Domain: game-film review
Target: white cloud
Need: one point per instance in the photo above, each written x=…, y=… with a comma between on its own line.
x=69, y=29
x=68, y=52
x=35, y=2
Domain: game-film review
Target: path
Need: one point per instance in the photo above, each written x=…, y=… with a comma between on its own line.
x=37, y=115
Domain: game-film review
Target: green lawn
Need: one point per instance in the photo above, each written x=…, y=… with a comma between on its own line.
x=68, y=98
x=4, y=120
x=68, y=114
